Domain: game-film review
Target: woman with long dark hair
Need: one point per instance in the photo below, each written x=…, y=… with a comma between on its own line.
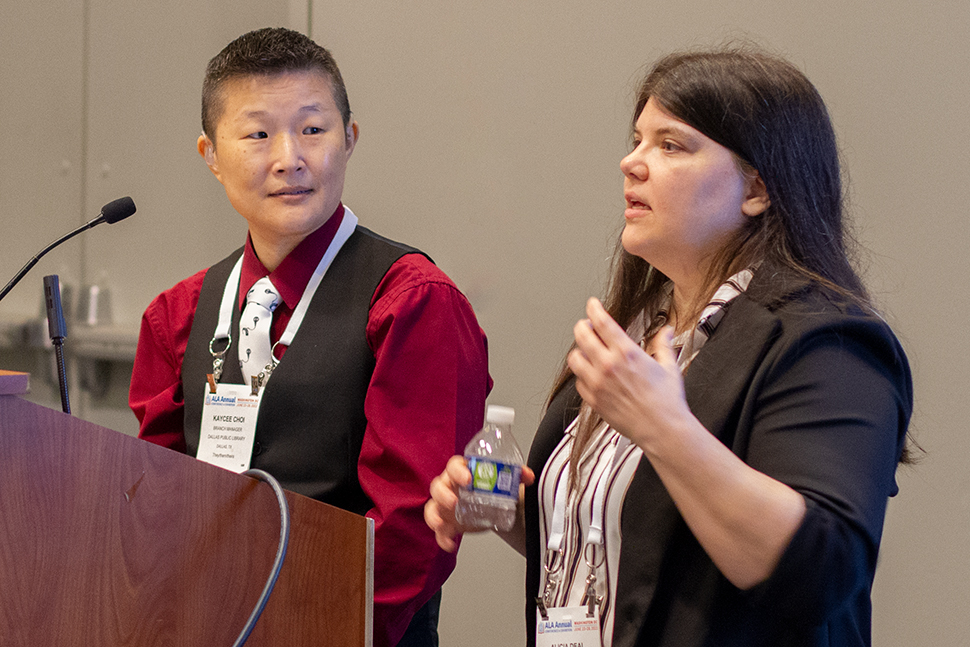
x=717, y=453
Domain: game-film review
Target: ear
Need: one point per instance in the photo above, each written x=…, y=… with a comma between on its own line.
x=208, y=152
x=756, y=201
x=351, y=135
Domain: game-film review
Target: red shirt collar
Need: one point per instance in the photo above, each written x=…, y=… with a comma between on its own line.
x=293, y=274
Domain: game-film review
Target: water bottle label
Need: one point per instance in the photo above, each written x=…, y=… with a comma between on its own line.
x=494, y=477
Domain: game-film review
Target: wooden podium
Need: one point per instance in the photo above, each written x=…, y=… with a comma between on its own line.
x=109, y=540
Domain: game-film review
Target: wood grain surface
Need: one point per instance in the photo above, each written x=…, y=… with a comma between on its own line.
x=109, y=540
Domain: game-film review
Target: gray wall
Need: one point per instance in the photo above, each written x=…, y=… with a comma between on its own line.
x=491, y=135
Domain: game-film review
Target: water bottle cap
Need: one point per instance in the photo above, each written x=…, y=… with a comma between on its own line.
x=499, y=415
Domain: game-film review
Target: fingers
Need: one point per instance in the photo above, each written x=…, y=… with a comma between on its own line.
x=528, y=476
x=604, y=325
x=587, y=341
x=457, y=472
x=602, y=345
x=661, y=348
x=442, y=531
x=439, y=510
x=577, y=362
x=599, y=337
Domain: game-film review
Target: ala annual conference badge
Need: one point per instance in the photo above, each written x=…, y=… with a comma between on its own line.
x=228, y=427
x=568, y=627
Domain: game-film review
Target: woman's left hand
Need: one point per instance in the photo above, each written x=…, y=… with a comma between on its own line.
x=743, y=518
x=637, y=392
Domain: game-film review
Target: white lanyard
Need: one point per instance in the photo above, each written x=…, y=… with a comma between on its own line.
x=230, y=295
x=594, y=535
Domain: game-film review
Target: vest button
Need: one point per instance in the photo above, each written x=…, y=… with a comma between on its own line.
x=257, y=449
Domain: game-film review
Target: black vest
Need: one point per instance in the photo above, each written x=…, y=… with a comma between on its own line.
x=311, y=419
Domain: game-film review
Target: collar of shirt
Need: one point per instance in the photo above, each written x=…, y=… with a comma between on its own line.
x=692, y=339
x=293, y=274
x=690, y=342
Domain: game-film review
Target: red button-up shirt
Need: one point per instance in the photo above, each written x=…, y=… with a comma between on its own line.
x=424, y=403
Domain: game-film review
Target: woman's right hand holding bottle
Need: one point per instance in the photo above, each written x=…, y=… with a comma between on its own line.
x=439, y=511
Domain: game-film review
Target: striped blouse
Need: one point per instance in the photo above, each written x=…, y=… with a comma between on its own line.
x=608, y=453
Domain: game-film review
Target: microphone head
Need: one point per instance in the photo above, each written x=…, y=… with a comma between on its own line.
x=118, y=210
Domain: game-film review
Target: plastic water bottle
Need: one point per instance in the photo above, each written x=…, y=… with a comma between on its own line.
x=495, y=462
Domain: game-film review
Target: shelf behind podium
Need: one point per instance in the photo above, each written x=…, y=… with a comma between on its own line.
x=109, y=540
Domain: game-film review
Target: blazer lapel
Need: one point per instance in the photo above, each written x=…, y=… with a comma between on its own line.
x=715, y=384
x=718, y=378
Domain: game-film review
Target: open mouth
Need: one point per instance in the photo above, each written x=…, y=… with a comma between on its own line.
x=635, y=209
x=633, y=202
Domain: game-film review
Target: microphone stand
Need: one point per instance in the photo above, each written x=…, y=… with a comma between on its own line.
x=58, y=332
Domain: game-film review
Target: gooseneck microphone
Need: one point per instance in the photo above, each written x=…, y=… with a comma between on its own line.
x=114, y=211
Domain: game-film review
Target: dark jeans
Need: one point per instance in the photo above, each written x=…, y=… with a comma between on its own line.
x=423, y=630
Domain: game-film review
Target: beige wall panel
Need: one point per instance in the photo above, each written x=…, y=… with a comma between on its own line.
x=41, y=162
x=145, y=80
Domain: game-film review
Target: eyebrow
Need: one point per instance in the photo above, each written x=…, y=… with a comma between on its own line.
x=666, y=130
x=311, y=108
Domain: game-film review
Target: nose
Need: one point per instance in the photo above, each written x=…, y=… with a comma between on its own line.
x=634, y=165
x=287, y=154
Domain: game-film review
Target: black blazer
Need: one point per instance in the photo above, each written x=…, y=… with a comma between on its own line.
x=809, y=390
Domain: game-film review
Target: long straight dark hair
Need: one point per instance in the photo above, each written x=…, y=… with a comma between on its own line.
x=774, y=122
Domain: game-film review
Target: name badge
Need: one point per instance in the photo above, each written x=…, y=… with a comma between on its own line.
x=568, y=627
x=228, y=426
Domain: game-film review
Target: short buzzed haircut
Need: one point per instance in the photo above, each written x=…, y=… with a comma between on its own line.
x=267, y=52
